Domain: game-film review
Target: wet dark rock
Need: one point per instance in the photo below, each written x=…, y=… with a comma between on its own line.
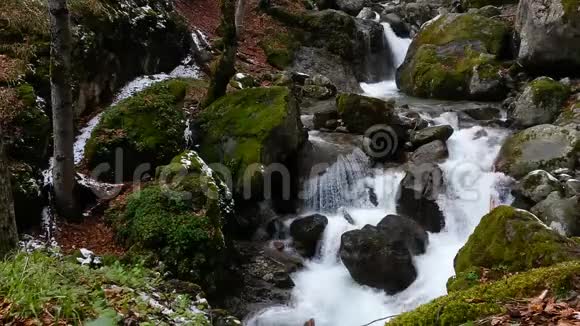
x=572, y=187
x=483, y=113
x=432, y=152
x=382, y=256
x=352, y=7
x=430, y=134
x=262, y=277
x=359, y=113
x=321, y=118
x=418, y=193
x=307, y=232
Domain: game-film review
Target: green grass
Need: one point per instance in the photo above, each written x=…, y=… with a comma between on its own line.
x=44, y=288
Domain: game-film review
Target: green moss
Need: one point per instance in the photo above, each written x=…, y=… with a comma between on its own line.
x=239, y=125
x=434, y=73
x=464, y=280
x=485, y=300
x=514, y=240
x=359, y=113
x=548, y=92
x=60, y=291
x=491, y=33
x=571, y=11
x=148, y=127
x=279, y=48
x=174, y=226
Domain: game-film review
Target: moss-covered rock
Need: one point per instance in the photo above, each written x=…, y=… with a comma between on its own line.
x=515, y=240
x=540, y=102
x=26, y=192
x=113, y=42
x=460, y=307
x=24, y=123
x=359, y=112
x=543, y=147
x=455, y=57
x=249, y=130
x=279, y=49
x=178, y=219
x=148, y=127
x=570, y=116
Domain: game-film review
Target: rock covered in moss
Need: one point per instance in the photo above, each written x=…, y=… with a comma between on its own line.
x=462, y=307
x=27, y=194
x=248, y=131
x=560, y=213
x=382, y=256
x=147, y=128
x=178, y=219
x=24, y=123
x=455, y=57
x=514, y=240
x=570, y=116
x=359, y=112
x=549, y=34
x=544, y=147
x=540, y=102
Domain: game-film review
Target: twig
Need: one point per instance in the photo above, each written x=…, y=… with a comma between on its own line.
x=380, y=319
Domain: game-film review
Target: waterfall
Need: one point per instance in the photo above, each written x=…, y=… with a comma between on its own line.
x=398, y=50
x=324, y=290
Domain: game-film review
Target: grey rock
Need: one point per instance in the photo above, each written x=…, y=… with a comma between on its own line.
x=537, y=185
x=430, y=134
x=433, y=152
x=539, y=104
x=550, y=35
x=561, y=214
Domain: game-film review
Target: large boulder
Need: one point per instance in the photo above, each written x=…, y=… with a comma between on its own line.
x=544, y=147
x=382, y=256
x=550, y=36
x=178, y=219
x=561, y=214
x=514, y=240
x=418, y=193
x=146, y=128
x=540, y=102
x=251, y=132
x=455, y=57
x=359, y=112
x=570, y=116
x=307, y=232
x=352, y=7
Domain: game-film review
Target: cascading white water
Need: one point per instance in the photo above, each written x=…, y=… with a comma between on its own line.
x=324, y=290
x=399, y=47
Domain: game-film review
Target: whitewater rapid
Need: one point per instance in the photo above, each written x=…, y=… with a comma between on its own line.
x=324, y=290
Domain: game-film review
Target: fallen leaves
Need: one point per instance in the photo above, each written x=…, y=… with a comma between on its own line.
x=542, y=310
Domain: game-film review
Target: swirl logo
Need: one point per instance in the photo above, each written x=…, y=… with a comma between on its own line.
x=380, y=141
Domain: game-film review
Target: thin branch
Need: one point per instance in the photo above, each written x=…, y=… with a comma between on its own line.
x=380, y=319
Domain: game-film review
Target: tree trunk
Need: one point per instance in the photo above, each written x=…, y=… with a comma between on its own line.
x=62, y=111
x=224, y=69
x=8, y=233
x=240, y=13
